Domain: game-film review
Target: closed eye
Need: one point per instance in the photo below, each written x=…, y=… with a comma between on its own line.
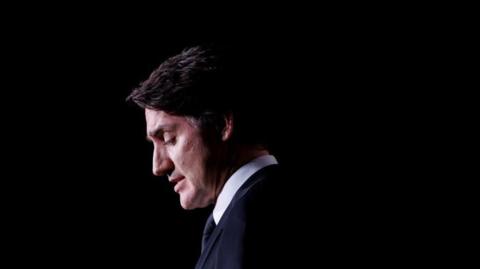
x=170, y=141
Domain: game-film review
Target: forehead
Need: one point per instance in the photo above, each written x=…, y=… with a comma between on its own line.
x=152, y=116
x=160, y=119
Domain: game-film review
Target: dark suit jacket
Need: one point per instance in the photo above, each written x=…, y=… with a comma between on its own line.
x=252, y=230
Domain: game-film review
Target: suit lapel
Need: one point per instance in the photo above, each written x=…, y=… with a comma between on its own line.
x=219, y=228
x=208, y=248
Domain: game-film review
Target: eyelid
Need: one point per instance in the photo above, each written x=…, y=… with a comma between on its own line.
x=168, y=138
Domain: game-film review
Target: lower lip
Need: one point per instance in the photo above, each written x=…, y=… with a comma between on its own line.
x=177, y=186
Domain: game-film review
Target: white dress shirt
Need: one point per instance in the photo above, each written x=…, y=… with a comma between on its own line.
x=236, y=181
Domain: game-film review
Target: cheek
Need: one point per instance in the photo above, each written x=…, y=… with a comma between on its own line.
x=195, y=163
x=184, y=155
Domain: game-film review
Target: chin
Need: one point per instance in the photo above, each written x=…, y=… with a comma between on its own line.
x=187, y=204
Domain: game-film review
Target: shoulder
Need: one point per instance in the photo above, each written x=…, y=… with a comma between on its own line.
x=261, y=222
x=262, y=207
x=262, y=191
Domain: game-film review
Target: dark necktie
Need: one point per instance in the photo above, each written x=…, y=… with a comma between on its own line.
x=207, y=231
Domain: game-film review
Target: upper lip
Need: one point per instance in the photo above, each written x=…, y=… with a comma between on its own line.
x=175, y=179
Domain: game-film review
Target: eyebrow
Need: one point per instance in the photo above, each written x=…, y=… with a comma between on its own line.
x=159, y=130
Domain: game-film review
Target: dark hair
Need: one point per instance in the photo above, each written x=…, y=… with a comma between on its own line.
x=203, y=83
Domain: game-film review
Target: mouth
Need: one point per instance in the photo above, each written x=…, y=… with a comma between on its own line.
x=174, y=182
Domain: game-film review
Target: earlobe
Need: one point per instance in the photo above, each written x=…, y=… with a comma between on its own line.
x=228, y=129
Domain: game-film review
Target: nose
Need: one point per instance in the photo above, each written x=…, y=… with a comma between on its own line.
x=162, y=164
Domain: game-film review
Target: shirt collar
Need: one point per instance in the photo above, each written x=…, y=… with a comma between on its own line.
x=236, y=180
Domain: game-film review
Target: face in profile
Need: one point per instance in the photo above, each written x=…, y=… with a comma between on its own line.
x=180, y=152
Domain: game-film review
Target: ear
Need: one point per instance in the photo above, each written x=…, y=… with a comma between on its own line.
x=228, y=129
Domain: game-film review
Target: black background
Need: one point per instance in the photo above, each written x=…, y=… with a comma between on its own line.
x=78, y=186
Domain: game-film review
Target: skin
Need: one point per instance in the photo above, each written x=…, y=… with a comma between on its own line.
x=197, y=169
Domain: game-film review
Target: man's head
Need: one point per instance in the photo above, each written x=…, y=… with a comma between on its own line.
x=195, y=124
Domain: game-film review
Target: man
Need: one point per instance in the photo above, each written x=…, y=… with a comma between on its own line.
x=208, y=138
